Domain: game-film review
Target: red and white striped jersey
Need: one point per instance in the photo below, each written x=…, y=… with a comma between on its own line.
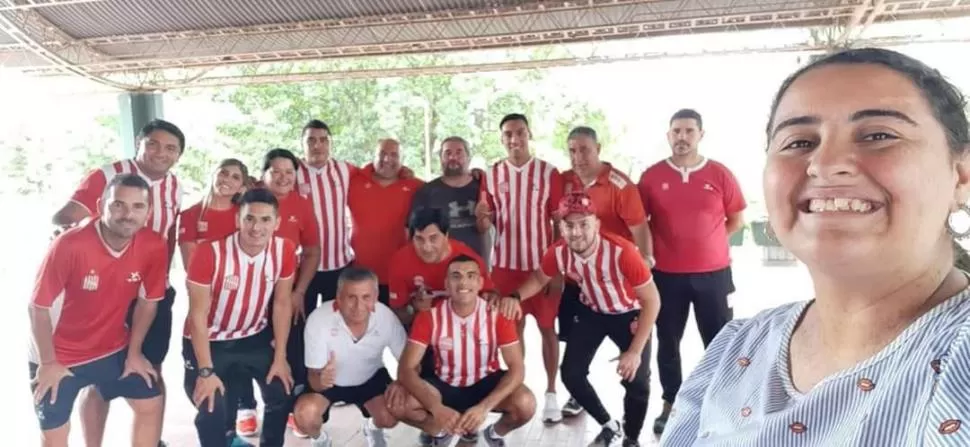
x=240, y=285
x=465, y=349
x=327, y=187
x=523, y=200
x=166, y=200
x=607, y=277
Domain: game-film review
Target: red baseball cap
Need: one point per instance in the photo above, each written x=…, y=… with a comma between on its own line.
x=577, y=202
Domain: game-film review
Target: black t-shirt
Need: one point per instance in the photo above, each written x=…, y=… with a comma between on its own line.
x=459, y=203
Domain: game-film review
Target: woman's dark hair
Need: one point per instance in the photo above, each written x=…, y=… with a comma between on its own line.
x=273, y=154
x=945, y=100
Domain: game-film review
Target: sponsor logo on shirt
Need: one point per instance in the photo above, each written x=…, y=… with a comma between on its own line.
x=446, y=343
x=230, y=282
x=134, y=277
x=90, y=282
x=708, y=187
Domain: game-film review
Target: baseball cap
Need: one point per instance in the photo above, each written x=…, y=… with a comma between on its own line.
x=577, y=202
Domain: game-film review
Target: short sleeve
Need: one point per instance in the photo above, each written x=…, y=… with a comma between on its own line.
x=53, y=274
x=684, y=424
x=556, y=187
x=505, y=332
x=421, y=328
x=633, y=267
x=733, y=198
x=550, y=263
x=90, y=191
x=202, y=265
x=631, y=206
x=397, y=279
x=156, y=271
x=309, y=228
x=189, y=225
x=316, y=351
x=483, y=195
x=644, y=189
x=289, y=259
x=398, y=336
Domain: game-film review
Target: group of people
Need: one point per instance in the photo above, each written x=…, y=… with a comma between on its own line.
x=301, y=279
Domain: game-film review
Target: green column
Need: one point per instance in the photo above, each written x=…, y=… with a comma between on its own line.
x=137, y=109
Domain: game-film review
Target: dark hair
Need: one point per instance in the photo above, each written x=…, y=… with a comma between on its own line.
x=462, y=258
x=259, y=195
x=354, y=274
x=225, y=163
x=163, y=126
x=687, y=114
x=129, y=180
x=456, y=139
x=315, y=124
x=513, y=117
x=422, y=218
x=273, y=154
x=945, y=100
x=582, y=131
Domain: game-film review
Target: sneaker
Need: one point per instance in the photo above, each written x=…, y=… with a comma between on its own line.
x=443, y=440
x=661, y=422
x=246, y=423
x=551, y=413
x=609, y=433
x=240, y=442
x=627, y=442
x=321, y=441
x=492, y=439
x=572, y=408
x=291, y=423
x=375, y=436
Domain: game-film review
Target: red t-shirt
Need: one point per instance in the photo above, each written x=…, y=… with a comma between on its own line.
x=297, y=222
x=465, y=349
x=198, y=225
x=607, y=277
x=688, y=209
x=97, y=286
x=408, y=273
x=380, y=215
x=240, y=285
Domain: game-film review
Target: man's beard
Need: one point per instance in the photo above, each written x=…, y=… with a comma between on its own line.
x=453, y=171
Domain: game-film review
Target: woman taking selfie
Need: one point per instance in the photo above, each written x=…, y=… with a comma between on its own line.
x=867, y=160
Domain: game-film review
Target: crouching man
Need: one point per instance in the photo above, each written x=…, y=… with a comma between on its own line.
x=345, y=343
x=465, y=337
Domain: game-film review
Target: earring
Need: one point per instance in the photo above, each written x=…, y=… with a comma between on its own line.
x=949, y=223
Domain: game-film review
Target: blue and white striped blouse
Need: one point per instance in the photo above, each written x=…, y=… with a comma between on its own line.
x=915, y=392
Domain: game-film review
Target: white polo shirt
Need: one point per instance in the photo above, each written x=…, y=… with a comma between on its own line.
x=357, y=360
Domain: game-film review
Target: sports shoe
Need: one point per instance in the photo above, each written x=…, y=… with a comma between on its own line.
x=551, y=413
x=246, y=423
x=609, y=433
x=442, y=440
x=492, y=439
x=572, y=408
x=661, y=422
x=375, y=436
x=321, y=441
x=291, y=423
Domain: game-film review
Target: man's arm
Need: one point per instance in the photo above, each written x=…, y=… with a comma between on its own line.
x=537, y=280
x=152, y=291
x=51, y=279
x=70, y=214
x=649, y=300
x=409, y=374
x=199, y=286
x=734, y=222
x=308, y=268
x=643, y=239
x=734, y=203
x=513, y=378
x=282, y=317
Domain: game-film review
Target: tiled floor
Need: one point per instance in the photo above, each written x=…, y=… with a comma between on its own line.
x=758, y=288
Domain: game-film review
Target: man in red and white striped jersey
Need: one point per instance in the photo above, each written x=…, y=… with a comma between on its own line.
x=620, y=302
x=231, y=284
x=466, y=337
x=519, y=196
x=88, y=279
x=160, y=145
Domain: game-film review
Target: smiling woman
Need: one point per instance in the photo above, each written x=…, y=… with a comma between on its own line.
x=866, y=160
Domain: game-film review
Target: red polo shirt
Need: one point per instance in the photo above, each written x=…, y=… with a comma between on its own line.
x=615, y=196
x=688, y=209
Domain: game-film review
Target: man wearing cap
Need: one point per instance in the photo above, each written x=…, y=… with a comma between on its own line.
x=619, y=301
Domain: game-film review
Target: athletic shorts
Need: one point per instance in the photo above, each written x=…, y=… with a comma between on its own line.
x=104, y=374
x=159, y=336
x=360, y=394
x=542, y=307
x=461, y=398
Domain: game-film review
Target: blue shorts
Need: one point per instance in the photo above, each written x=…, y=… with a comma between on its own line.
x=104, y=374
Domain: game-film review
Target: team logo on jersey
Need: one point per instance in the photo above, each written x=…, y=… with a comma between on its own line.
x=664, y=186
x=446, y=343
x=503, y=188
x=292, y=219
x=202, y=226
x=230, y=282
x=134, y=277
x=304, y=189
x=708, y=187
x=90, y=282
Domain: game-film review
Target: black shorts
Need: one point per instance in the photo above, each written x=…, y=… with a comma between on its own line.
x=461, y=399
x=159, y=334
x=104, y=374
x=360, y=394
x=568, y=306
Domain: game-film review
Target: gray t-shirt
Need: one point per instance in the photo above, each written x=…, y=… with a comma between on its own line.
x=459, y=203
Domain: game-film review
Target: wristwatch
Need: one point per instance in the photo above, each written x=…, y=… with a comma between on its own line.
x=206, y=372
x=516, y=296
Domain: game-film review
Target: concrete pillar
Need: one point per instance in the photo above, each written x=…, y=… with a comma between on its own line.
x=136, y=109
